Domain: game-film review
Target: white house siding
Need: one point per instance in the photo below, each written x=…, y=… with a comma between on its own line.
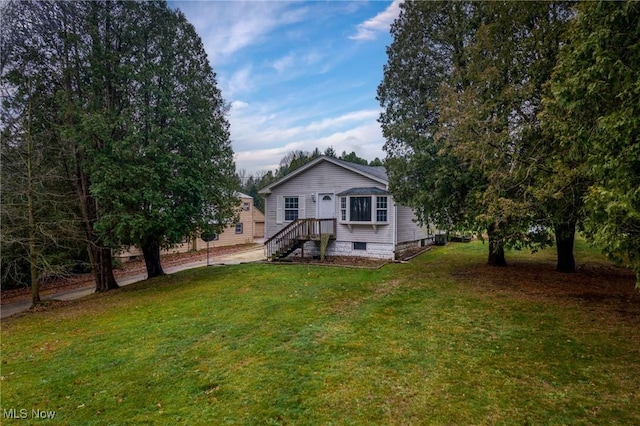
x=408, y=228
x=367, y=233
x=324, y=177
x=410, y=234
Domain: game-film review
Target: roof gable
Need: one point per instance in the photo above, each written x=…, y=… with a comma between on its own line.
x=376, y=173
x=241, y=195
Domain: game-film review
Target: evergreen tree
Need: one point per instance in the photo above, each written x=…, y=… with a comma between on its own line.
x=593, y=110
x=460, y=94
x=135, y=115
x=429, y=42
x=492, y=125
x=352, y=157
x=171, y=173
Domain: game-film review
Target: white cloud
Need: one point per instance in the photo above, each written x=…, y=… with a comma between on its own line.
x=227, y=27
x=289, y=85
x=350, y=117
x=240, y=82
x=284, y=63
x=369, y=29
x=297, y=62
x=261, y=136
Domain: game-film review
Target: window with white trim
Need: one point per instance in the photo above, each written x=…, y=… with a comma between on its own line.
x=239, y=228
x=290, y=208
x=364, y=209
x=381, y=209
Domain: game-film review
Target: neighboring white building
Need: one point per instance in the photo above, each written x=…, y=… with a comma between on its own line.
x=348, y=202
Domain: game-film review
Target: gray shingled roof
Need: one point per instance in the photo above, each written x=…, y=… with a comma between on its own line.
x=363, y=191
x=377, y=171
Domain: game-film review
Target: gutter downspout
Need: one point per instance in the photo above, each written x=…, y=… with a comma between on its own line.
x=395, y=228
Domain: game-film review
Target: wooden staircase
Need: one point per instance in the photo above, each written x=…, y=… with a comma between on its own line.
x=294, y=235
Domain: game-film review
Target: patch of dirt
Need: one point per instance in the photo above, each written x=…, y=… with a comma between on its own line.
x=594, y=285
x=343, y=261
x=131, y=268
x=352, y=261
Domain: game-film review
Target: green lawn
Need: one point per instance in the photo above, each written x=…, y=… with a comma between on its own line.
x=436, y=341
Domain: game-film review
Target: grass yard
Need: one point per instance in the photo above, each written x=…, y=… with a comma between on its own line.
x=443, y=339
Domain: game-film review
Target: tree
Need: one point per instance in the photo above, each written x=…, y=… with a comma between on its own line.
x=352, y=157
x=460, y=94
x=429, y=42
x=330, y=152
x=55, y=44
x=174, y=159
x=34, y=67
x=37, y=214
x=376, y=162
x=136, y=116
x=492, y=125
x=292, y=161
x=593, y=109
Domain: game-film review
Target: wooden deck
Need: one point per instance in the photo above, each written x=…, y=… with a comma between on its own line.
x=295, y=234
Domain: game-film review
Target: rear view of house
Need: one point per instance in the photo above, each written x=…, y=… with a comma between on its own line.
x=347, y=203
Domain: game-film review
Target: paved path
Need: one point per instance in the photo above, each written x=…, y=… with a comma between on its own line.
x=254, y=254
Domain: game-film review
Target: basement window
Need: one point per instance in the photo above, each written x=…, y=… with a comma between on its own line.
x=359, y=246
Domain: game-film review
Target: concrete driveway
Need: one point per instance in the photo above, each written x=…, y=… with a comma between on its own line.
x=254, y=254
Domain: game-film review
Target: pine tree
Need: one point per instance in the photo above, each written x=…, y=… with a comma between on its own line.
x=593, y=110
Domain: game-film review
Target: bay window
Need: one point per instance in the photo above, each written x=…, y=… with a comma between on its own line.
x=358, y=207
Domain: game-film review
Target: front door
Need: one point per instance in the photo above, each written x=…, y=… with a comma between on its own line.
x=326, y=206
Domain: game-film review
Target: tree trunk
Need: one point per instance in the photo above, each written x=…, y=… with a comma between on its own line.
x=33, y=254
x=565, y=234
x=151, y=252
x=496, y=249
x=100, y=257
x=35, y=284
x=101, y=262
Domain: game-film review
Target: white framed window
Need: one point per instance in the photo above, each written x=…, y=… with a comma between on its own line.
x=381, y=209
x=291, y=208
x=364, y=209
x=246, y=206
x=239, y=228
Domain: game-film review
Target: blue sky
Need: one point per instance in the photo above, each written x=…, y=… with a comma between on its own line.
x=298, y=75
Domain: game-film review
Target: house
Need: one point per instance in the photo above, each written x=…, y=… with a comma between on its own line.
x=340, y=208
x=250, y=226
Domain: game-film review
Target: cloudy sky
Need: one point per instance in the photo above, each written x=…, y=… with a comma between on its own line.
x=298, y=75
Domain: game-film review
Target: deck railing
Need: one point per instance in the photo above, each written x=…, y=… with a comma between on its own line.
x=296, y=232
